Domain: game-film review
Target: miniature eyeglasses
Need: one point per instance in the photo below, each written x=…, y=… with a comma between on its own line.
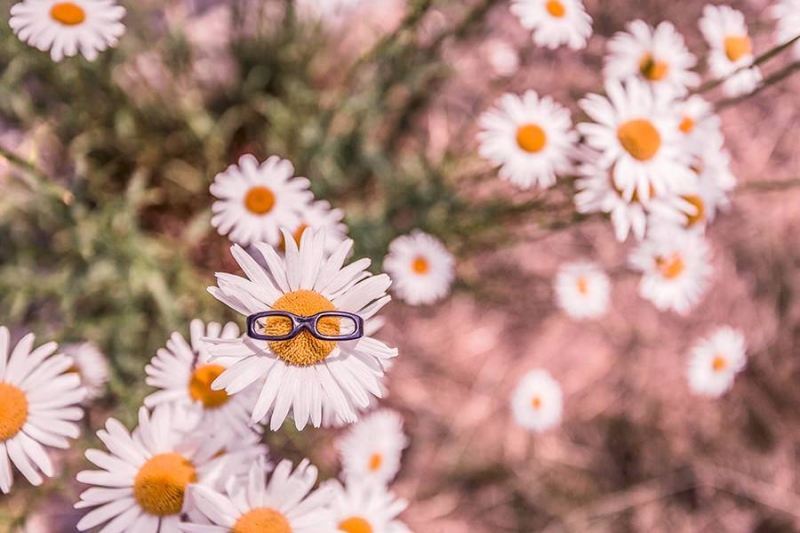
x=326, y=326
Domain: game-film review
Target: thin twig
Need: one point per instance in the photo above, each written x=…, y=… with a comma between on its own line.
x=768, y=186
x=36, y=178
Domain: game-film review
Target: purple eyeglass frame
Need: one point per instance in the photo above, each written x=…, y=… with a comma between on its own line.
x=307, y=323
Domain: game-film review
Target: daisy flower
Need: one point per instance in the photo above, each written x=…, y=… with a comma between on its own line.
x=283, y=503
x=637, y=136
x=698, y=125
x=659, y=57
x=502, y=56
x=555, y=22
x=91, y=365
x=421, y=267
x=320, y=217
x=256, y=200
x=304, y=376
x=141, y=485
x=371, y=449
x=366, y=507
x=582, y=290
x=184, y=372
x=787, y=14
x=39, y=401
x=675, y=267
x=725, y=31
x=529, y=138
x=537, y=402
x=66, y=28
x=715, y=362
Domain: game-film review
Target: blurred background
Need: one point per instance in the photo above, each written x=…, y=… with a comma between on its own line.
x=105, y=236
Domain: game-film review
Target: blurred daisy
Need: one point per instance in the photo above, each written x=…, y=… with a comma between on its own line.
x=283, y=503
x=66, y=28
x=256, y=200
x=529, y=138
x=38, y=406
x=142, y=482
x=787, y=15
x=304, y=376
x=502, y=56
x=91, y=365
x=698, y=124
x=366, y=508
x=184, y=374
x=637, y=136
x=725, y=32
x=371, y=450
x=715, y=362
x=421, y=267
x=675, y=268
x=582, y=290
x=537, y=402
x=659, y=57
x=555, y=22
x=320, y=216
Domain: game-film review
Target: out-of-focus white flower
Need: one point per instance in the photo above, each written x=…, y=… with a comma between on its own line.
x=715, y=361
x=787, y=15
x=726, y=33
x=582, y=290
x=537, y=402
x=555, y=23
x=319, y=216
x=91, y=365
x=371, y=449
x=421, y=268
x=502, y=57
x=364, y=507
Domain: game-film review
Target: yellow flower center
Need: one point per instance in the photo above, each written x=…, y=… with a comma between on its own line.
x=699, y=206
x=555, y=8
x=13, y=410
x=583, y=285
x=200, y=386
x=259, y=200
x=355, y=524
x=160, y=485
x=420, y=265
x=719, y=363
x=687, y=125
x=671, y=267
x=531, y=138
x=304, y=349
x=653, y=69
x=262, y=520
x=536, y=403
x=375, y=462
x=737, y=46
x=640, y=138
x=67, y=13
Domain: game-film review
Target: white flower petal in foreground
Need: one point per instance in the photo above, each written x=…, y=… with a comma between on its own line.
x=66, y=28
x=367, y=507
x=256, y=200
x=537, y=402
x=91, y=365
x=371, y=449
x=529, y=138
x=184, y=374
x=555, y=22
x=421, y=268
x=675, y=267
x=659, y=57
x=304, y=376
x=38, y=406
x=715, y=362
x=283, y=503
x=636, y=133
x=725, y=31
x=582, y=290
x=787, y=15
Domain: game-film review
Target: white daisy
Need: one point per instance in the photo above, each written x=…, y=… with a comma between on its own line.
x=537, y=402
x=39, y=401
x=184, y=374
x=304, y=376
x=91, y=365
x=319, y=216
x=582, y=290
x=726, y=33
x=715, y=362
x=285, y=503
x=143, y=480
x=636, y=133
x=66, y=28
x=367, y=508
x=659, y=57
x=555, y=22
x=421, y=267
x=529, y=138
x=256, y=200
x=699, y=126
x=787, y=14
x=371, y=449
x=675, y=266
